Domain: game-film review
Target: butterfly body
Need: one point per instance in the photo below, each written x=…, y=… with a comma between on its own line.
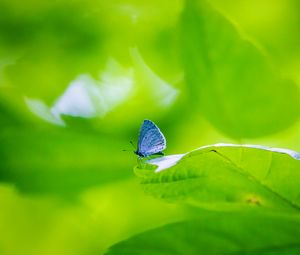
x=151, y=140
x=146, y=155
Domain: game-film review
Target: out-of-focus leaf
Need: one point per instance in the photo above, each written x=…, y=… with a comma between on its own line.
x=80, y=228
x=52, y=44
x=216, y=233
x=273, y=24
x=158, y=90
x=61, y=161
x=228, y=176
x=231, y=80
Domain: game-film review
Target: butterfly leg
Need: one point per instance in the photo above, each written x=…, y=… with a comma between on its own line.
x=141, y=161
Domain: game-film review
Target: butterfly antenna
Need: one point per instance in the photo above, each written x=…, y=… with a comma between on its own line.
x=132, y=144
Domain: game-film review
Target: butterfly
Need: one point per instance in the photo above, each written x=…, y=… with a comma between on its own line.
x=151, y=140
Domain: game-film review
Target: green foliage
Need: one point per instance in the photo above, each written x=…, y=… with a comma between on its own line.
x=232, y=81
x=216, y=233
x=222, y=176
x=73, y=161
x=78, y=77
x=253, y=204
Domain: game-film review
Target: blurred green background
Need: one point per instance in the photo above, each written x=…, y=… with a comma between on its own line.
x=77, y=78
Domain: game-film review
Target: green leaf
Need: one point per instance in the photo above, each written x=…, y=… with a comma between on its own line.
x=60, y=161
x=231, y=80
x=91, y=223
x=227, y=176
x=216, y=234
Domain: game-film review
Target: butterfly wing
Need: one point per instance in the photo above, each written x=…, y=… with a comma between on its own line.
x=151, y=139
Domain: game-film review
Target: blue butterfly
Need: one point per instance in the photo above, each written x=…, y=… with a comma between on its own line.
x=151, y=140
